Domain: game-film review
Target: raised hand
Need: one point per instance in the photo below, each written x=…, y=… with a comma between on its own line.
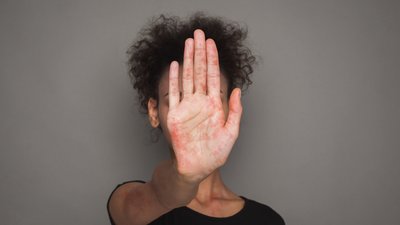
x=201, y=136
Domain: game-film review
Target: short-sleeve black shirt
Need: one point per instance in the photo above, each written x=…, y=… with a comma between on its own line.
x=253, y=213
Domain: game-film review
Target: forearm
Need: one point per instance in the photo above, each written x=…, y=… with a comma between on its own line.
x=170, y=188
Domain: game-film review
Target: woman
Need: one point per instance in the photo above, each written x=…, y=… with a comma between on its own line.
x=187, y=99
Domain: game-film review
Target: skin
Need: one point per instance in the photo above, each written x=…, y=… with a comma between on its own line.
x=200, y=123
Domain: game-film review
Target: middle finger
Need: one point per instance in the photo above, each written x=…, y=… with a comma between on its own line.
x=200, y=68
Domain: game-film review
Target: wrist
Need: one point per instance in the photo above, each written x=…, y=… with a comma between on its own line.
x=183, y=178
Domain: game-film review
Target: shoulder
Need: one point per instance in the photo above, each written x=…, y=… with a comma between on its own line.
x=263, y=212
x=121, y=188
x=115, y=200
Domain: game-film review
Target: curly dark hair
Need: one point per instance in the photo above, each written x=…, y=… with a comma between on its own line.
x=162, y=41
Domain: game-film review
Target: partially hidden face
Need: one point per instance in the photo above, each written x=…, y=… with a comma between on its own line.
x=158, y=111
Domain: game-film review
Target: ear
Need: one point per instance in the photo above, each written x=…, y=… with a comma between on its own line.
x=153, y=112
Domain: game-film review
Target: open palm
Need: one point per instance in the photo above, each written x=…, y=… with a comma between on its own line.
x=201, y=136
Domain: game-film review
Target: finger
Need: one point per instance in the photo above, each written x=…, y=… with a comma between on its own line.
x=213, y=73
x=235, y=112
x=200, y=67
x=187, y=77
x=173, y=91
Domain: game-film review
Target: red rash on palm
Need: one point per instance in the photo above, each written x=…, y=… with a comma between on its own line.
x=201, y=136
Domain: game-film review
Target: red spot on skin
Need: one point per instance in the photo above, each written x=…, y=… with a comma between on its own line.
x=203, y=85
x=188, y=71
x=174, y=134
x=215, y=135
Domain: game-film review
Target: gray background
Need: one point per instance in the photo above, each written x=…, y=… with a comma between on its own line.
x=320, y=132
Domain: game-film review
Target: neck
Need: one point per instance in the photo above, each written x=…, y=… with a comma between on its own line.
x=211, y=188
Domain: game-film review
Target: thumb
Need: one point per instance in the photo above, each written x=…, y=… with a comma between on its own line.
x=235, y=112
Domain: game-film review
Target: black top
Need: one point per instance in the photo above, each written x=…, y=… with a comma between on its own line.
x=253, y=213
